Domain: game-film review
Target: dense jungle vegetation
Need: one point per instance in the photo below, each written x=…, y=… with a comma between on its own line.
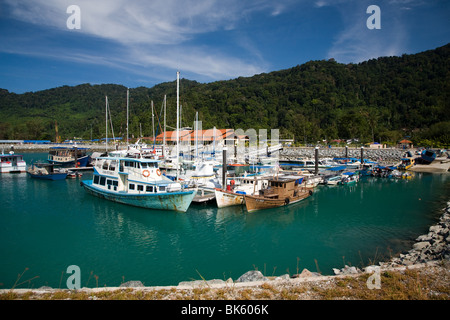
x=382, y=100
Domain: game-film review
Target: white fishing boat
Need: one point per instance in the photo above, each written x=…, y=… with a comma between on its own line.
x=238, y=188
x=137, y=182
x=203, y=179
x=12, y=163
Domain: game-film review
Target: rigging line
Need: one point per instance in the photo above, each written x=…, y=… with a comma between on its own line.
x=110, y=120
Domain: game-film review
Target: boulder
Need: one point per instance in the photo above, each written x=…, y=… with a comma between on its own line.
x=250, y=276
x=421, y=245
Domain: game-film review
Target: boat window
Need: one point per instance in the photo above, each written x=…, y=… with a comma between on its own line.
x=96, y=179
x=140, y=187
x=149, y=189
x=144, y=165
x=105, y=165
x=131, y=186
x=162, y=188
x=112, y=165
x=127, y=164
x=102, y=181
x=137, y=165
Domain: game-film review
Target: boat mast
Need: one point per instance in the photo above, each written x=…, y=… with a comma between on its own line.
x=178, y=117
x=153, y=126
x=106, y=141
x=128, y=99
x=196, y=136
x=164, y=136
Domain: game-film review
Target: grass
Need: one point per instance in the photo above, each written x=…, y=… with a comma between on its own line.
x=411, y=284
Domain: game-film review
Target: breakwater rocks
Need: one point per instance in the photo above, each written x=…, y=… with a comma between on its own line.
x=388, y=154
x=435, y=245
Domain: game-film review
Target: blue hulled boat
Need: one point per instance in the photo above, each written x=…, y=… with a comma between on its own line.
x=69, y=156
x=137, y=182
x=426, y=157
x=46, y=171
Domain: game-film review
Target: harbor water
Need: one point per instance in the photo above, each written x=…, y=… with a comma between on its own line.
x=47, y=226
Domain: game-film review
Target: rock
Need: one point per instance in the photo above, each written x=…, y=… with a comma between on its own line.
x=372, y=269
x=421, y=245
x=250, y=276
x=131, y=284
x=200, y=283
x=336, y=271
x=346, y=270
x=283, y=277
x=306, y=274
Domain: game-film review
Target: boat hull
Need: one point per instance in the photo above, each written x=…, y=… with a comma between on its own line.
x=52, y=176
x=227, y=198
x=174, y=201
x=254, y=203
x=81, y=162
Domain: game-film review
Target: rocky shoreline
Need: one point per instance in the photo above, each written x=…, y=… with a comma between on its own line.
x=387, y=154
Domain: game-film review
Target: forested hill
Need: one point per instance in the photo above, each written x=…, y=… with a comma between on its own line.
x=380, y=100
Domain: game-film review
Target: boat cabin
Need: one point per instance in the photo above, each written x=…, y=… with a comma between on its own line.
x=281, y=188
x=131, y=175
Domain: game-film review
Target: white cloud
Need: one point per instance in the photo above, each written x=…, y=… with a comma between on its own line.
x=356, y=43
x=154, y=34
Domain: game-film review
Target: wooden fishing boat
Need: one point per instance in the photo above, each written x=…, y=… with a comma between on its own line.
x=282, y=191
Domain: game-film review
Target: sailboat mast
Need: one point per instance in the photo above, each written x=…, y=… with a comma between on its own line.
x=178, y=117
x=153, y=126
x=106, y=109
x=164, y=136
x=196, y=136
x=128, y=99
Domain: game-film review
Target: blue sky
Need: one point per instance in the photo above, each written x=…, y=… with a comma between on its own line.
x=143, y=43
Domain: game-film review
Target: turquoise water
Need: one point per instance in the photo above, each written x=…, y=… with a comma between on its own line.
x=46, y=226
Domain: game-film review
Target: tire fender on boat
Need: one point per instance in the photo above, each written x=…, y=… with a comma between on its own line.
x=286, y=201
x=310, y=192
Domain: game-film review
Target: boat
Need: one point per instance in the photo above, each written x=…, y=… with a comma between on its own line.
x=426, y=157
x=137, y=182
x=46, y=171
x=406, y=163
x=349, y=178
x=12, y=163
x=204, y=179
x=333, y=180
x=238, y=187
x=281, y=191
x=69, y=156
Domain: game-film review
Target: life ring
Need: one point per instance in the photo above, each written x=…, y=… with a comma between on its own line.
x=286, y=201
x=146, y=173
x=232, y=182
x=158, y=172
